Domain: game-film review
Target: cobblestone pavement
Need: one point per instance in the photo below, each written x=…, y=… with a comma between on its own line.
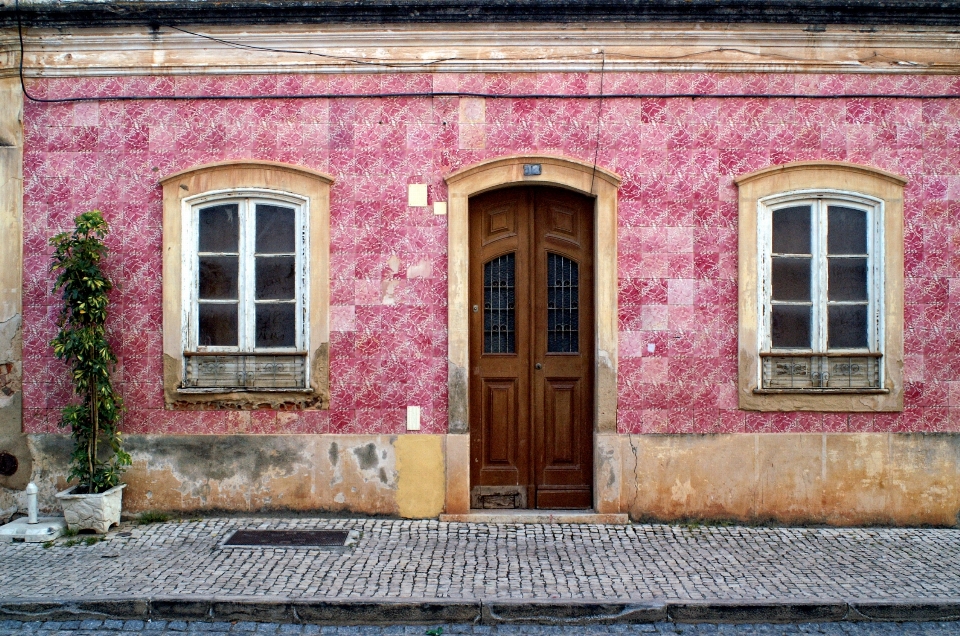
x=430, y=559
x=165, y=628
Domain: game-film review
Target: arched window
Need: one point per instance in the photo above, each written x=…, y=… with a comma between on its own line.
x=246, y=290
x=246, y=286
x=821, y=288
x=821, y=271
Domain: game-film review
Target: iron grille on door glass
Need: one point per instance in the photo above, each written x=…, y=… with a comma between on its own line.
x=563, y=312
x=499, y=297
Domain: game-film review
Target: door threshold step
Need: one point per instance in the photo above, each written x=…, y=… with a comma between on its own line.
x=537, y=516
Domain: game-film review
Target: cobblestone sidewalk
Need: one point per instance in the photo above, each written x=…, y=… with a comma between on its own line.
x=396, y=559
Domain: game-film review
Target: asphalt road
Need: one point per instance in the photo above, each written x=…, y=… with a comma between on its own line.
x=179, y=628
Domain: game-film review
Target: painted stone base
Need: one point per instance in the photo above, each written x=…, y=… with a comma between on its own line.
x=841, y=479
x=92, y=512
x=398, y=475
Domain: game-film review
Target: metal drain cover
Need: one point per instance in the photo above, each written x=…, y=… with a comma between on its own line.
x=288, y=538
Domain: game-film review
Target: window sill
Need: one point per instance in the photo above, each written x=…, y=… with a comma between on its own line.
x=821, y=391
x=244, y=389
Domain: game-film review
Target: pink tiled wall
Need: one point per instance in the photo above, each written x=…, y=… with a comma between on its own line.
x=677, y=226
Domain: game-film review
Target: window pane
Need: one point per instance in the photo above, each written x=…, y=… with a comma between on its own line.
x=275, y=229
x=791, y=326
x=218, y=325
x=846, y=230
x=499, y=291
x=846, y=326
x=276, y=325
x=791, y=278
x=848, y=279
x=219, y=228
x=563, y=304
x=276, y=277
x=218, y=277
x=791, y=230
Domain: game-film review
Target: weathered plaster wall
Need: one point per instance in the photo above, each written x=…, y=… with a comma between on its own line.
x=840, y=479
x=385, y=474
x=12, y=440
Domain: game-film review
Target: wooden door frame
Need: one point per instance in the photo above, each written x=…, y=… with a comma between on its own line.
x=578, y=176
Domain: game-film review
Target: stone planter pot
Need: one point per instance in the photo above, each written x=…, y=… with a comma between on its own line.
x=92, y=512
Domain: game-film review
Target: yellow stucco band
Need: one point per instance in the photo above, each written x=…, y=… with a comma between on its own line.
x=815, y=175
x=421, y=477
x=225, y=176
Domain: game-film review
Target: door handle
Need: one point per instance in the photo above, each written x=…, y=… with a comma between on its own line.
x=538, y=366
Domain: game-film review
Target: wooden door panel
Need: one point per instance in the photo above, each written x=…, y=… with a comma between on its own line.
x=564, y=223
x=500, y=422
x=560, y=498
x=499, y=362
x=500, y=222
x=561, y=408
x=563, y=345
x=531, y=348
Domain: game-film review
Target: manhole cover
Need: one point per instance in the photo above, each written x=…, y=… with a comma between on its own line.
x=284, y=538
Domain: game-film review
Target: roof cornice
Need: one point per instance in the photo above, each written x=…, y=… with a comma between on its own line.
x=479, y=48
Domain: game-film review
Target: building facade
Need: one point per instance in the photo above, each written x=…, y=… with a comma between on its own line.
x=675, y=265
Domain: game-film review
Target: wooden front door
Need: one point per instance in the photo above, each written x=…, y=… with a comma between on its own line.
x=531, y=349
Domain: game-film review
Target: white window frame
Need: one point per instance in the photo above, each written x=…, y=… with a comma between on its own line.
x=819, y=199
x=247, y=198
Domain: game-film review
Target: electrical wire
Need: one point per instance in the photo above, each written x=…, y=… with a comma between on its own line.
x=353, y=60
x=596, y=151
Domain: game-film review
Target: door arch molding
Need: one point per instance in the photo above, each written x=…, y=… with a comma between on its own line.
x=563, y=172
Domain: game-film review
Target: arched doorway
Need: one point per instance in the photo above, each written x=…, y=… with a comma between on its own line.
x=600, y=186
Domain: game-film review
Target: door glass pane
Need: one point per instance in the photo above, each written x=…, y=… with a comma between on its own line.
x=217, y=325
x=276, y=325
x=275, y=229
x=791, y=278
x=846, y=230
x=791, y=230
x=790, y=326
x=499, y=316
x=563, y=312
x=220, y=228
x=218, y=277
x=846, y=326
x=275, y=277
x=848, y=279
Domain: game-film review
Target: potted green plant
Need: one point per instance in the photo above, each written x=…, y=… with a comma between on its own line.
x=98, y=457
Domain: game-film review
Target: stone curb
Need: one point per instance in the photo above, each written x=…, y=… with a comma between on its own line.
x=489, y=612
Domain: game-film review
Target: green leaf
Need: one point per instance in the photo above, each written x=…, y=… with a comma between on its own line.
x=98, y=458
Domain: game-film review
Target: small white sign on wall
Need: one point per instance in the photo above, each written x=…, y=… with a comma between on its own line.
x=417, y=195
x=413, y=418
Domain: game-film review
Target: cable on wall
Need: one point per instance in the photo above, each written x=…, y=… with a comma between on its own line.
x=596, y=151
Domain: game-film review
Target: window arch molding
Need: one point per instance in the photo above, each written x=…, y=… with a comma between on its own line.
x=817, y=184
x=305, y=195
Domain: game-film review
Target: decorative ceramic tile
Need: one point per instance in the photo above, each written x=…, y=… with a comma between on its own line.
x=677, y=226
